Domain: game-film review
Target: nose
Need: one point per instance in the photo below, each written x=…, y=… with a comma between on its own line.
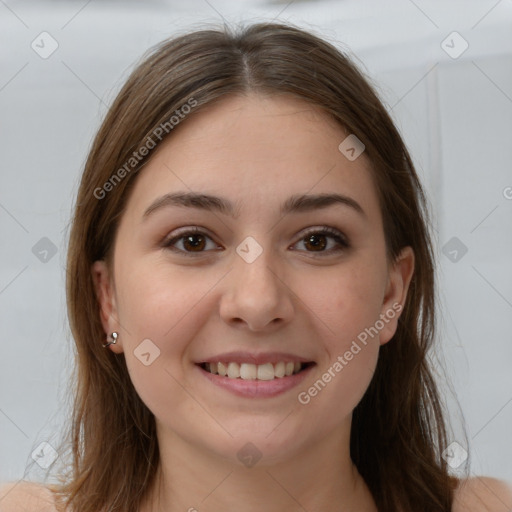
x=256, y=295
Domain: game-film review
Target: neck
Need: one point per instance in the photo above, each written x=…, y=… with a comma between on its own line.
x=319, y=477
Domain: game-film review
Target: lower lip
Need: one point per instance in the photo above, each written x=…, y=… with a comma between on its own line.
x=257, y=388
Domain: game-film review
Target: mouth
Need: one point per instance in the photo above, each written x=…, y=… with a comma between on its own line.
x=254, y=375
x=255, y=372
x=255, y=381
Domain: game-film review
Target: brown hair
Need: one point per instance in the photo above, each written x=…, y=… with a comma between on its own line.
x=398, y=428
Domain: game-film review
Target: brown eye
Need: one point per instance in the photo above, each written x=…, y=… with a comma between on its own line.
x=325, y=241
x=190, y=242
x=194, y=242
x=316, y=242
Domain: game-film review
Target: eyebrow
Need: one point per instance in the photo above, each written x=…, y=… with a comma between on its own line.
x=294, y=204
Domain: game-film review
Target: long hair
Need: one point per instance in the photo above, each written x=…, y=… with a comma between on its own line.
x=398, y=429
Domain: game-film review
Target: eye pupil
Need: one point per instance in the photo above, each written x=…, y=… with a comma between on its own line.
x=315, y=242
x=190, y=240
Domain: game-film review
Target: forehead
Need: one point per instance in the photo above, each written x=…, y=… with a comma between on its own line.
x=256, y=149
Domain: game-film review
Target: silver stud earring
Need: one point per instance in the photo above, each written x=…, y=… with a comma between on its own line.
x=111, y=340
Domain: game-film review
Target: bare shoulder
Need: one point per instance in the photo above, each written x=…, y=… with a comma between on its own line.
x=483, y=494
x=26, y=496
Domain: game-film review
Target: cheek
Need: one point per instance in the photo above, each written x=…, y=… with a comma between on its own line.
x=346, y=307
x=345, y=302
x=339, y=386
x=155, y=299
x=160, y=310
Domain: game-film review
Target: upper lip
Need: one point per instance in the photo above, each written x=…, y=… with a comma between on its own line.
x=252, y=358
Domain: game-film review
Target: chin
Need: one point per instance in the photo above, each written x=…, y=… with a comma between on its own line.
x=265, y=443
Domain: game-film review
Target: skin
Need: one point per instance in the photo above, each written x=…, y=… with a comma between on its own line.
x=255, y=151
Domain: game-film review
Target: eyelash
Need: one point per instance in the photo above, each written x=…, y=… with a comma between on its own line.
x=336, y=235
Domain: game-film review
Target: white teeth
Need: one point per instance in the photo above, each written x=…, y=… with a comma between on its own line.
x=248, y=371
x=233, y=370
x=221, y=369
x=266, y=371
x=279, y=369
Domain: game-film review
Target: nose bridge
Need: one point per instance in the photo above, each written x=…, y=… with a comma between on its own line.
x=256, y=265
x=255, y=292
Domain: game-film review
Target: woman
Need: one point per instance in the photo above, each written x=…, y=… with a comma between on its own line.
x=251, y=292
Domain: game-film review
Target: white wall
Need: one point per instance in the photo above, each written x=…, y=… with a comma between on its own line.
x=454, y=113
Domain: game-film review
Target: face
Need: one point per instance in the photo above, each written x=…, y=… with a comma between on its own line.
x=280, y=259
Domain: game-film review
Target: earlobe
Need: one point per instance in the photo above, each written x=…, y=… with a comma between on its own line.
x=105, y=296
x=400, y=276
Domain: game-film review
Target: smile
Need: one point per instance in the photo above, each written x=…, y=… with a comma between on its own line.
x=248, y=371
x=253, y=381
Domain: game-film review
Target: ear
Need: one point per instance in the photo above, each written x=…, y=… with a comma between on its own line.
x=399, y=279
x=105, y=293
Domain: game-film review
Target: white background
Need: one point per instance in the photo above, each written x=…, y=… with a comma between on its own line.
x=454, y=113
